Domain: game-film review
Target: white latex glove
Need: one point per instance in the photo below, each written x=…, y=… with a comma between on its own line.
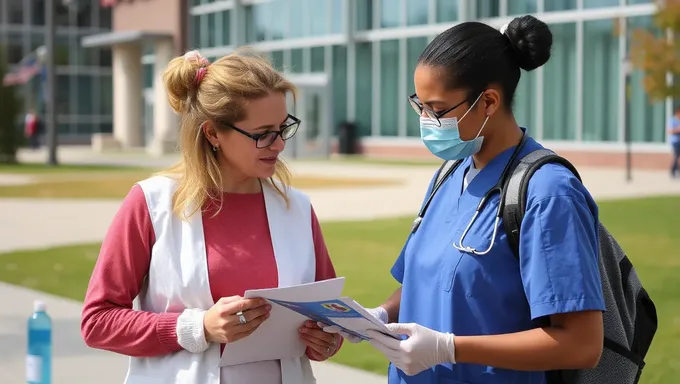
x=379, y=313
x=423, y=349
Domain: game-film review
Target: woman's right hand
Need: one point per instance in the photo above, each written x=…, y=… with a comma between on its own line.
x=222, y=323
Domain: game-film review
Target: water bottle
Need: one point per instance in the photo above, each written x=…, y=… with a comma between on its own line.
x=39, y=356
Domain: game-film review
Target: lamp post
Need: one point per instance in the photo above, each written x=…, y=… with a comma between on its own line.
x=50, y=81
x=628, y=69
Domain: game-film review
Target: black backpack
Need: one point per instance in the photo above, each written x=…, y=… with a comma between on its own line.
x=630, y=320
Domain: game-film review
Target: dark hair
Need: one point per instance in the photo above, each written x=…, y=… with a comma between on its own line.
x=473, y=55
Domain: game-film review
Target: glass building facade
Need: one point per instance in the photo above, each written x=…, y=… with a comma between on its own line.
x=368, y=49
x=84, y=83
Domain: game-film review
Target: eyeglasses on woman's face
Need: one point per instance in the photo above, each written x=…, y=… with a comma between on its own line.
x=419, y=108
x=265, y=139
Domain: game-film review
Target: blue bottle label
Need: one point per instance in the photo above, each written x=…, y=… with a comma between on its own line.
x=33, y=369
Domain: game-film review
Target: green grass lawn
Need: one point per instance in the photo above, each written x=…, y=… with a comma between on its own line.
x=42, y=169
x=364, y=252
x=114, y=182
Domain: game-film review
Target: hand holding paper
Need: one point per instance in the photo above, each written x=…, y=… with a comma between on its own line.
x=320, y=345
x=233, y=318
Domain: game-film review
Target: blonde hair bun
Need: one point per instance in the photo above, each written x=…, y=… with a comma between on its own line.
x=180, y=79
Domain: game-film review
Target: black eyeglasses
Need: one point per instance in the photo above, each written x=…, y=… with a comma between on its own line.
x=265, y=139
x=420, y=108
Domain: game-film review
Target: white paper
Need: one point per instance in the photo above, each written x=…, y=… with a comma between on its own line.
x=278, y=337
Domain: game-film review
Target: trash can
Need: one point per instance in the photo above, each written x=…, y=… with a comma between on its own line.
x=347, y=140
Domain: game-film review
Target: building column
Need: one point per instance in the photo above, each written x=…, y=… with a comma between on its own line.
x=127, y=95
x=164, y=119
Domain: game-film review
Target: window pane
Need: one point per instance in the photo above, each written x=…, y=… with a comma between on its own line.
x=261, y=18
x=389, y=87
x=15, y=12
x=363, y=88
x=525, y=102
x=339, y=85
x=196, y=31
x=417, y=12
x=295, y=10
x=447, y=10
x=104, y=17
x=210, y=33
x=522, y=7
x=647, y=121
x=414, y=47
x=486, y=8
x=85, y=95
x=390, y=13
x=317, y=59
x=639, y=1
x=15, y=47
x=600, y=3
x=64, y=94
x=364, y=14
x=226, y=28
x=106, y=96
x=296, y=61
x=276, y=58
x=251, y=34
x=600, y=81
x=559, y=5
x=147, y=75
x=318, y=14
x=276, y=26
x=559, y=93
x=338, y=11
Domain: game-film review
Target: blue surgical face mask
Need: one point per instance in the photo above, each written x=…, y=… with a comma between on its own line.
x=445, y=142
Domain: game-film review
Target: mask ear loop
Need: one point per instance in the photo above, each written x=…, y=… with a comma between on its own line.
x=472, y=106
x=470, y=109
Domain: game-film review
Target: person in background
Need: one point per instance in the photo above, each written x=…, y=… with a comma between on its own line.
x=186, y=244
x=31, y=129
x=472, y=312
x=674, y=136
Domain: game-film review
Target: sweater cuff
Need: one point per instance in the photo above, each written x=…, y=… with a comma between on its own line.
x=190, y=333
x=165, y=329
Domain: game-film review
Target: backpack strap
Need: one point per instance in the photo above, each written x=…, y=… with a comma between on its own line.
x=445, y=170
x=515, y=190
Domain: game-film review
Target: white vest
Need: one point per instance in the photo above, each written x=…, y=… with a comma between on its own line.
x=178, y=279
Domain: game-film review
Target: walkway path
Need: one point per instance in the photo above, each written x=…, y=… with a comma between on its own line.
x=30, y=223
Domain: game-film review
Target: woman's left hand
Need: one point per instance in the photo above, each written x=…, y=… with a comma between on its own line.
x=320, y=345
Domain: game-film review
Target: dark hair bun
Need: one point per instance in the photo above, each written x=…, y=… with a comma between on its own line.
x=531, y=40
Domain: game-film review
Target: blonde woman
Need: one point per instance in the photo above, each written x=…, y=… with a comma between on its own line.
x=186, y=244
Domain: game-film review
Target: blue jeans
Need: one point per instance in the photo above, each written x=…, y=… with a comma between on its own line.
x=676, y=159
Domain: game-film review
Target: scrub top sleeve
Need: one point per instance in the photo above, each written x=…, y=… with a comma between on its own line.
x=397, y=270
x=559, y=245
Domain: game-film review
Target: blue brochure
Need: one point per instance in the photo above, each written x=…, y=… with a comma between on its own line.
x=339, y=312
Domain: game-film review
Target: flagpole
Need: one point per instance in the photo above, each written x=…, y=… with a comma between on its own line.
x=50, y=81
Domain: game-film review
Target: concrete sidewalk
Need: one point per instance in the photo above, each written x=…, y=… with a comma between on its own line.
x=74, y=362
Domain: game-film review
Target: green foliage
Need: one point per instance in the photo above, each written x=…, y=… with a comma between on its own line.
x=10, y=135
x=657, y=54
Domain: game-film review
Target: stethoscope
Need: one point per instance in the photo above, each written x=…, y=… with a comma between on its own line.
x=498, y=188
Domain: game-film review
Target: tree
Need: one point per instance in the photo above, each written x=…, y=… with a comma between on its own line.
x=657, y=55
x=9, y=114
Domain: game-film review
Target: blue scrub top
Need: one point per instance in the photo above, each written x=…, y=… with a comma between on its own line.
x=465, y=294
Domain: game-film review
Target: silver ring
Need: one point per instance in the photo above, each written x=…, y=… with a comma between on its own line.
x=328, y=350
x=241, y=318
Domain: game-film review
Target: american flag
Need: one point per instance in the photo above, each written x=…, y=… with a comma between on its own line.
x=23, y=72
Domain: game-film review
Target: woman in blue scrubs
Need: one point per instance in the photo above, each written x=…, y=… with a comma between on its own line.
x=475, y=317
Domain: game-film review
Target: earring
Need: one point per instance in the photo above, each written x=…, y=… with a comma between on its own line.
x=215, y=147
